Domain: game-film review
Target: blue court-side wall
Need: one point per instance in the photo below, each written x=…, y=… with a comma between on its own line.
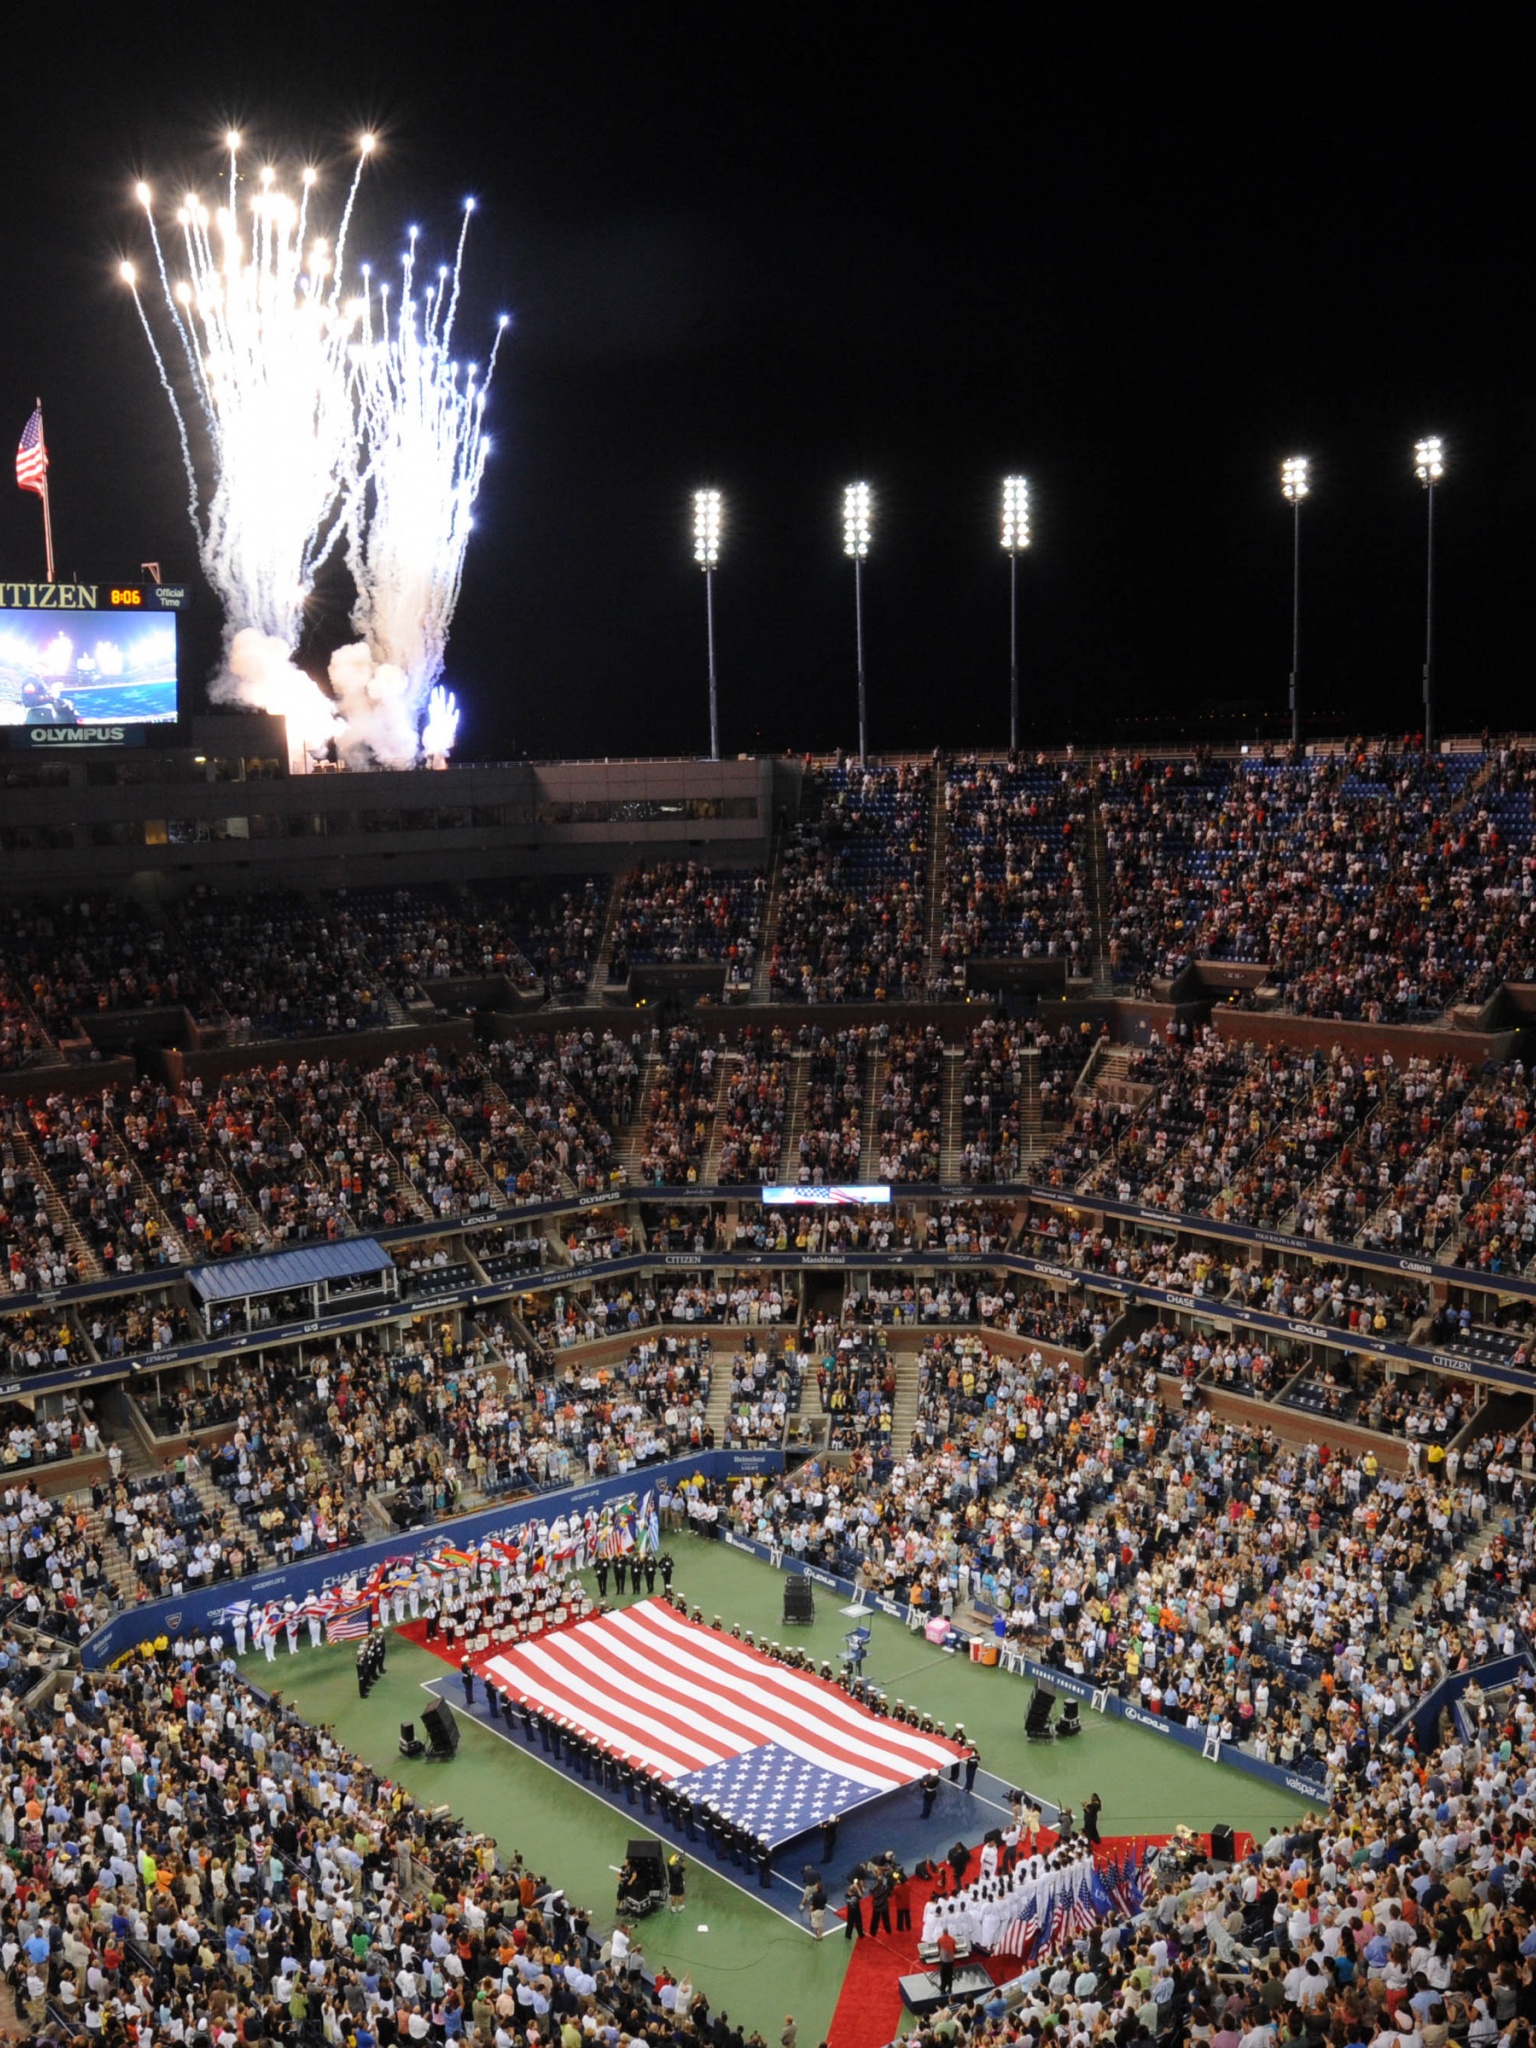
x=191, y=1611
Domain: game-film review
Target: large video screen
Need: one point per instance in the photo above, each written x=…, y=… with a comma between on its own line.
x=87, y=667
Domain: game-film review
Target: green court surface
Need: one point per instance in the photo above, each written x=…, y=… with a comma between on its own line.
x=747, y=1958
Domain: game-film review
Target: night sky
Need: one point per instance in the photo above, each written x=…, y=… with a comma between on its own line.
x=778, y=248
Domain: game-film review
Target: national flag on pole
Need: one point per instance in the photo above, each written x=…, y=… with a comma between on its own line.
x=32, y=456
x=1019, y=1936
x=348, y=1623
x=650, y=1527
x=779, y=1750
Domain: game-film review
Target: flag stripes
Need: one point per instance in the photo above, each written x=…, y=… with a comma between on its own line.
x=676, y=1698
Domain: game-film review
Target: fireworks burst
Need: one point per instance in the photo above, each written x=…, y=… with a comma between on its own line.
x=321, y=425
x=422, y=415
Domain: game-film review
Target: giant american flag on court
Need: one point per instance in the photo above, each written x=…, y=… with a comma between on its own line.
x=778, y=1750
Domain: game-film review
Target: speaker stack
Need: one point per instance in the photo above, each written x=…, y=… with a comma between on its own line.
x=799, y=1601
x=442, y=1729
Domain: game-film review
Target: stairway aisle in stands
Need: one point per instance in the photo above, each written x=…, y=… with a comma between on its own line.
x=719, y=1403
x=904, y=1401
x=727, y=1067
x=630, y=1147
x=29, y=1160
x=950, y=1119
x=1098, y=898
x=794, y=1115
x=869, y=1130
x=762, y=979
x=1031, y=1123
x=933, y=905
x=602, y=959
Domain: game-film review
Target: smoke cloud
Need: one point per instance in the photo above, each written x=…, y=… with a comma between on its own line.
x=374, y=701
x=259, y=674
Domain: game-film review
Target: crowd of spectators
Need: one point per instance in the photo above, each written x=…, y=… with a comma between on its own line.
x=856, y=1383
x=23, y=1041
x=204, y=1866
x=831, y=1138
x=1280, y=1596
x=1372, y=882
x=542, y=932
x=1015, y=863
x=765, y=1393
x=54, y=1581
x=537, y=1134
x=682, y=913
x=258, y=1880
x=909, y=1113
x=753, y=1112
x=852, y=888
x=679, y=1107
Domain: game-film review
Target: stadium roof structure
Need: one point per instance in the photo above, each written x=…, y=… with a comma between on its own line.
x=277, y=1272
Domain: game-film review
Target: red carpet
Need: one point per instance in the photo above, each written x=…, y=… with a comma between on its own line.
x=869, y=2010
x=869, y=2007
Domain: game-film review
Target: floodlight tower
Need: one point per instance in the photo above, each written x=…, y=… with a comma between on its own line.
x=1294, y=487
x=856, y=507
x=707, y=519
x=1429, y=467
x=1015, y=540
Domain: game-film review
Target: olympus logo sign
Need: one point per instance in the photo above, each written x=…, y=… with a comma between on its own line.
x=77, y=735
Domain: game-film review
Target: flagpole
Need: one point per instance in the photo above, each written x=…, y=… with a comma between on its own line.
x=47, y=509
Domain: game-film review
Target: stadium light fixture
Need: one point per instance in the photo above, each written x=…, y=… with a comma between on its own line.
x=1429, y=468
x=708, y=518
x=856, y=526
x=1294, y=486
x=1016, y=538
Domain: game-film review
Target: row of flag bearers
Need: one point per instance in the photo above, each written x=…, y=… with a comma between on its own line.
x=449, y=1582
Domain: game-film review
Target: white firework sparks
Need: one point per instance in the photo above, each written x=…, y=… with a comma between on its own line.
x=265, y=328
x=321, y=424
x=422, y=415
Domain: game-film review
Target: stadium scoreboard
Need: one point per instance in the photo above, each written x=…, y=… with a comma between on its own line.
x=88, y=664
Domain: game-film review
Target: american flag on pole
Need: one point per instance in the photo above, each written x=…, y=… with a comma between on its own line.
x=1020, y=1935
x=32, y=455
x=348, y=1623
x=778, y=1750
